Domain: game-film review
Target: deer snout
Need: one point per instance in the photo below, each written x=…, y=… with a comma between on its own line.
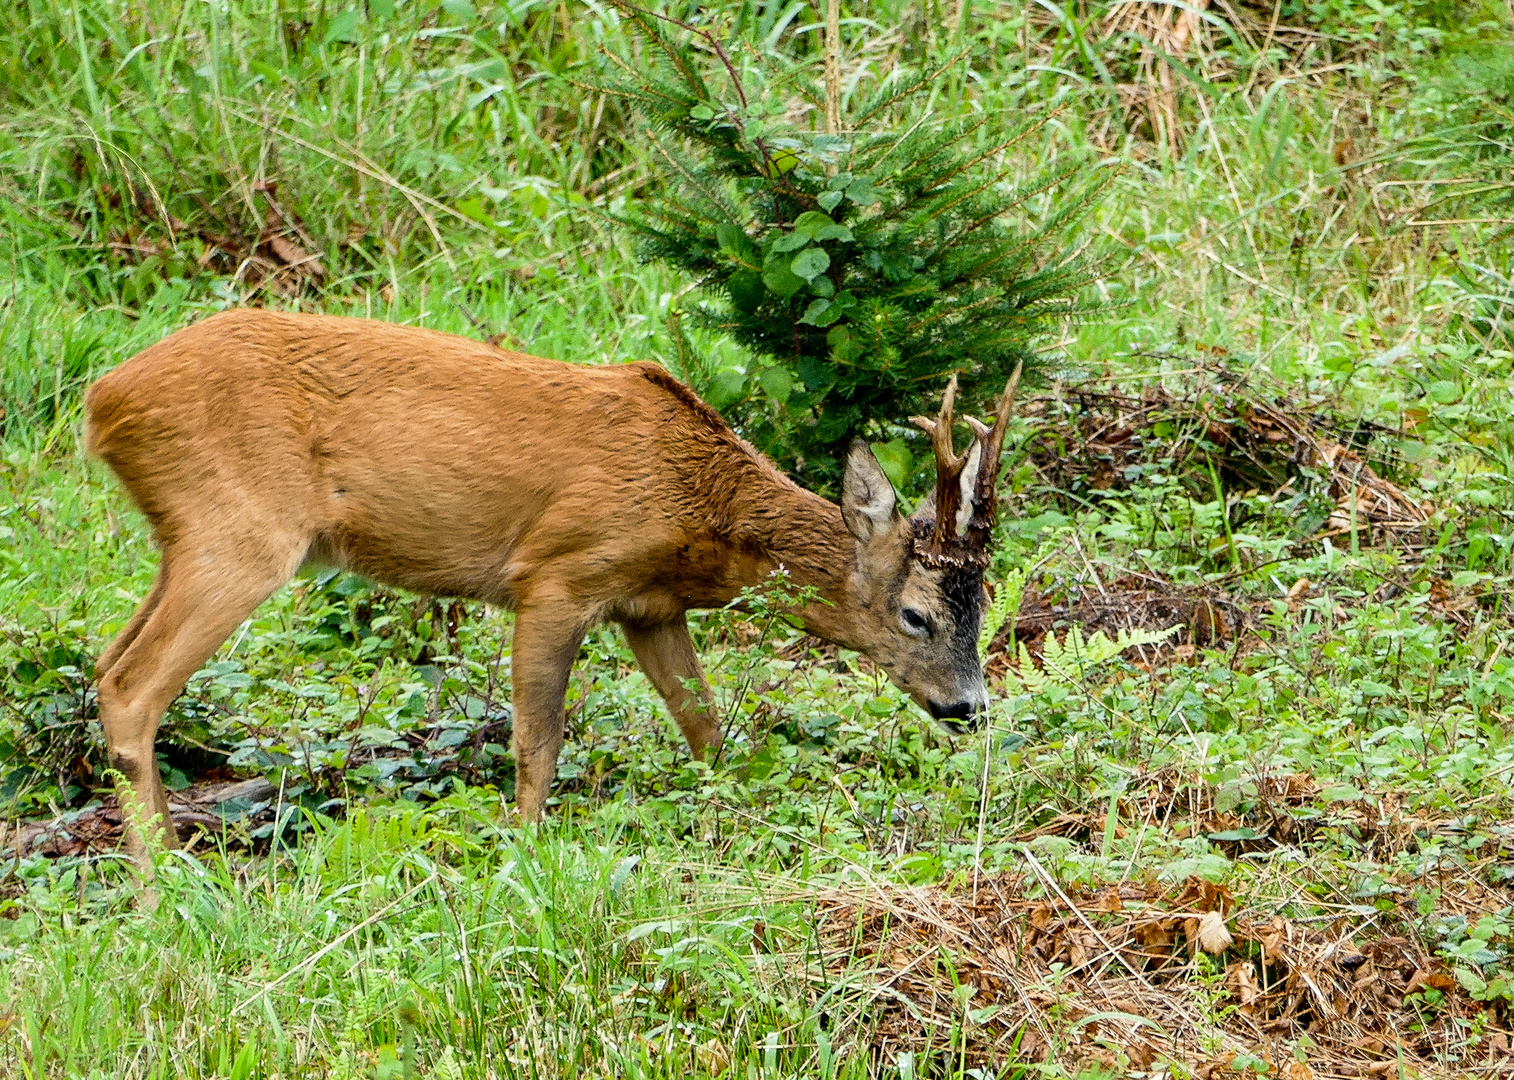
x=959, y=717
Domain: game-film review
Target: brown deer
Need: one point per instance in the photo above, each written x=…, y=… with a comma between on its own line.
x=256, y=441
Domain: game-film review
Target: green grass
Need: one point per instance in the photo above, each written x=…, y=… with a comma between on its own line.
x=668, y=918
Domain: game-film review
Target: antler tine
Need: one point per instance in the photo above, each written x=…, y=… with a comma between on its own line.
x=1001, y=418
x=964, y=493
x=940, y=432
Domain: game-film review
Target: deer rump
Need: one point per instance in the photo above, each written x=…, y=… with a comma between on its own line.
x=255, y=441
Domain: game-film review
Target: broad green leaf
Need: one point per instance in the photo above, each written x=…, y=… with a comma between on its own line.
x=861, y=192
x=734, y=241
x=781, y=162
x=816, y=373
x=728, y=386
x=746, y=290
x=272, y=75
x=791, y=241
x=777, y=383
x=814, y=315
x=895, y=459
x=1229, y=797
x=1341, y=793
x=809, y=262
x=830, y=199
x=343, y=27
x=782, y=280
x=811, y=222
x=660, y=926
x=473, y=208
x=1473, y=984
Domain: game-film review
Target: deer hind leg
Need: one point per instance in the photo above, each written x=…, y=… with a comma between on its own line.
x=202, y=595
x=545, y=645
x=667, y=655
x=134, y=625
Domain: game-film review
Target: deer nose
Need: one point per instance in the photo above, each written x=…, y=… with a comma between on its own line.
x=962, y=717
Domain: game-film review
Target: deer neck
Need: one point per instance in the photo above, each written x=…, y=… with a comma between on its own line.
x=784, y=527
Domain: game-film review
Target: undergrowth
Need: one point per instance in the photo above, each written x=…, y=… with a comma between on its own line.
x=1313, y=304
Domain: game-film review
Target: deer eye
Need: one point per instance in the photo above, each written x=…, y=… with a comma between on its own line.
x=913, y=622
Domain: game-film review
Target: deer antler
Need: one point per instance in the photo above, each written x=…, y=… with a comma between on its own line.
x=964, y=484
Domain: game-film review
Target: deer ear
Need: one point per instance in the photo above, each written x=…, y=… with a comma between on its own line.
x=867, y=498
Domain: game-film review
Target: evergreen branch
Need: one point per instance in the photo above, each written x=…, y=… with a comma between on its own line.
x=644, y=21
x=873, y=108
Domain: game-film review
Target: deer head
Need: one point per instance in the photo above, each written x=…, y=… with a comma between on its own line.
x=920, y=578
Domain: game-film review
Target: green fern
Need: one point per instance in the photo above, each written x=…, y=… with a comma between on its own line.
x=1006, y=602
x=1065, y=662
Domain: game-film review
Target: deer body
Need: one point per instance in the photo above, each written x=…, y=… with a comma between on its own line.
x=256, y=441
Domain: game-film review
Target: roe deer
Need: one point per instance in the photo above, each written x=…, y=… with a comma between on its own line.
x=254, y=441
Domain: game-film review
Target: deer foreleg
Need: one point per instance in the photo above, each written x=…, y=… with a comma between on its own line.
x=667, y=655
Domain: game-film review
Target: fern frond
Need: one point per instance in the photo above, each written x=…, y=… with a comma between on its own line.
x=1065, y=661
x=1006, y=602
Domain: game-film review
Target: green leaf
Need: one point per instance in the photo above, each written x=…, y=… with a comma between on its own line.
x=728, y=386
x=381, y=8
x=844, y=347
x=809, y=262
x=746, y=290
x=831, y=199
x=861, y=192
x=734, y=241
x=462, y=10
x=660, y=926
x=729, y=236
x=811, y=222
x=474, y=210
x=1473, y=984
x=1464, y=579
x=816, y=373
x=782, y=161
x=1229, y=797
x=814, y=315
x=895, y=459
x=342, y=27
x=272, y=75
x=1444, y=392
x=1341, y=793
x=834, y=232
x=1235, y=834
x=777, y=383
x=702, y=112
x=782, y=280
x=790, y=241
